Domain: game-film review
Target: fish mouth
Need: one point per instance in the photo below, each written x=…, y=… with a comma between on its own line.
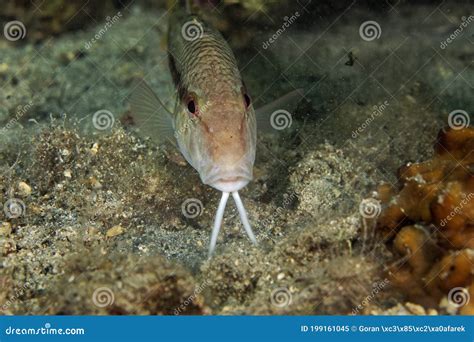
x=228, y=182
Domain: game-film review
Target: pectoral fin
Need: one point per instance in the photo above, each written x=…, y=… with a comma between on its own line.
x=150, y=117
x=286, y=103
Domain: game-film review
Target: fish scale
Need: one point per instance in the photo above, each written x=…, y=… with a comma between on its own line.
x=204, y=62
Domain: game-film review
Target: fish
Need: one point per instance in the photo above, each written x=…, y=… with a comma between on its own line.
x=213, y=122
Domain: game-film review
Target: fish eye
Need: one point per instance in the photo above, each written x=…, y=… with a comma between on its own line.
x=247, y=100
x=192, y=106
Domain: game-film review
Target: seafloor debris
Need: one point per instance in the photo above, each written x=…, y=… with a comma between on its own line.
x=122, y=284
x=44, y=19
x=72, y=247
x=429, y=222
x=325, y=181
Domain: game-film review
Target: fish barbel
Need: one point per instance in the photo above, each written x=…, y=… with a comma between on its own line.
x=213, y=120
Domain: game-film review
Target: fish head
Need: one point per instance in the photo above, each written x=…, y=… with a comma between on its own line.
x=216, y=133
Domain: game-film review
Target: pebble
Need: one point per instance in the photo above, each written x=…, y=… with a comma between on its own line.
x=3, y=68
x=114, y=231
x=95, y=183
x=24, y=189
x=5, y=229
x=415, y=309
x=94, y=149
x=67, y=57
x=92, y=231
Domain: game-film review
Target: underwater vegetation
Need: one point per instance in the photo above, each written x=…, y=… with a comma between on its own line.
x=429, y=222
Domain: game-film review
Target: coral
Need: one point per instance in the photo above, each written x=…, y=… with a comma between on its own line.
x=437, y=196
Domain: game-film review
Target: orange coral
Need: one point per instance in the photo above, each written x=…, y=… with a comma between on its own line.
x=438, y=196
